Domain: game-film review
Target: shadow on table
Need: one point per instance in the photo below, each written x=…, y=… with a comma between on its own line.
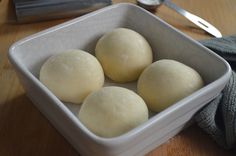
x=24, y=131
x=10, y=15
x=191, y=141
x=201, y=140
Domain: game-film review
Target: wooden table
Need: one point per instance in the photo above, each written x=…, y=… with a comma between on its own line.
x=24, y=131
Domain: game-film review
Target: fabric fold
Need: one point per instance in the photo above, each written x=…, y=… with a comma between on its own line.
x=218, y=118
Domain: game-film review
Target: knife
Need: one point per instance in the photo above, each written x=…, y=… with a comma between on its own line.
x=195, y=19
x=152, y=5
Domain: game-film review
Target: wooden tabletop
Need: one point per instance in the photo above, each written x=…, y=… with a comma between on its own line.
x=24, y=131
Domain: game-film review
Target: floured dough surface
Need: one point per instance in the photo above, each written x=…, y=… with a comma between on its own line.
x=123, y=54
x=113, y=111
x=72, y=75
x=165, y=82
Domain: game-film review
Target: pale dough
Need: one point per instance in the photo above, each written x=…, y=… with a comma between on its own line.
x=113, y=111
x=72, y=75
x=165, y=82
x=123, y=54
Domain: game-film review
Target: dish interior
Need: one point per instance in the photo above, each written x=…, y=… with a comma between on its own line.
x=83, y=33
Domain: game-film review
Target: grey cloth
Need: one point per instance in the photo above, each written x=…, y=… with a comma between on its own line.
x=218, y=118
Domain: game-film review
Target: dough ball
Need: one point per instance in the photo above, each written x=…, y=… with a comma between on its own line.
x=123, y=54
x=113, y=111
x=167, y=81
x=72, y=75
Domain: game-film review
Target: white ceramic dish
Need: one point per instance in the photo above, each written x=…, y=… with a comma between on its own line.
x=27, y=56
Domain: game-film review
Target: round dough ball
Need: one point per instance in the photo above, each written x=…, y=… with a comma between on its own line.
x=72, y=75
x=123, y=54
x=165, y=82
x=113, y=111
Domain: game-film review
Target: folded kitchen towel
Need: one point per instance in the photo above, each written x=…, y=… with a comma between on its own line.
x=218, y=118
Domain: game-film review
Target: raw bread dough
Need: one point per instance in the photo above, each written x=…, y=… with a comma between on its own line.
x=113, y=111
x=165, y=82
x=72, y=75
x=123, y=54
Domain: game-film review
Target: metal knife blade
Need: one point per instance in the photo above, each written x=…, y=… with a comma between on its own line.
x=195, y=19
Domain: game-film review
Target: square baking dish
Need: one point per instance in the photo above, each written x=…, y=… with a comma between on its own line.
x=27, y=56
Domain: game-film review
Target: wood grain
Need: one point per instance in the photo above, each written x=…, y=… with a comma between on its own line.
x=24, y=131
